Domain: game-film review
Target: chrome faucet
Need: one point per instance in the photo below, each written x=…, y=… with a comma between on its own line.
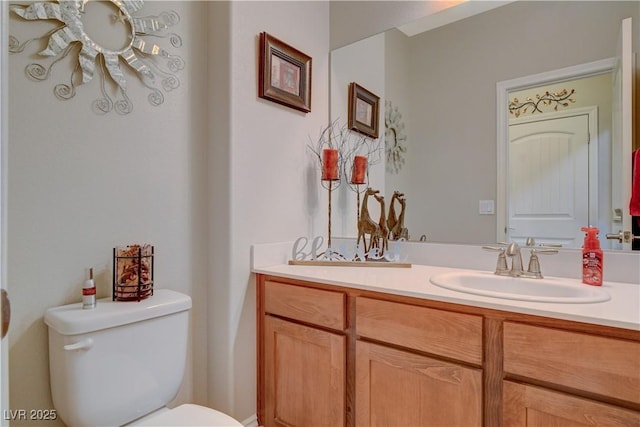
x=513, y=251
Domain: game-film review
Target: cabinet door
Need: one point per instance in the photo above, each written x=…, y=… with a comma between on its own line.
x=398, y=388
x=305, y=375
x=525, y=405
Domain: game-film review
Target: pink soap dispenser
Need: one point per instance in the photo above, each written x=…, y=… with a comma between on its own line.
x=592, y=258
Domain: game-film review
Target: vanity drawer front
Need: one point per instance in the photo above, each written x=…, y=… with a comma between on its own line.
x=316, y=306
x=454, y=335
x=606, y=366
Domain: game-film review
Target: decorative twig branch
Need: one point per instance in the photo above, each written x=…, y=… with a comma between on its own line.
x=333, y=136
x=557, y=99
x=338, y=138
x=349, y=144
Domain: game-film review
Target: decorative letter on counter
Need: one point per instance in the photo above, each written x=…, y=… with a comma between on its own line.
x=345, y=257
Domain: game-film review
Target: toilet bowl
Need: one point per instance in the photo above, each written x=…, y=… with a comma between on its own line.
x=186, y=415
x=121, y=363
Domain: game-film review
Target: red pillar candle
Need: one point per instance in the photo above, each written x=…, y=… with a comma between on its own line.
x=359, y=170
x=330, y=164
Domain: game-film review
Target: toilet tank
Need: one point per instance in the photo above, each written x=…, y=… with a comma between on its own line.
x=119, y=361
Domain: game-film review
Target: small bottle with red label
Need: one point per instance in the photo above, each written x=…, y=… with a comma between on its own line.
x=89, y=292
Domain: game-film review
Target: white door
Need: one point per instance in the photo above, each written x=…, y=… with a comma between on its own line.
x=4, y=343
x=622, y=133
x=548, y=180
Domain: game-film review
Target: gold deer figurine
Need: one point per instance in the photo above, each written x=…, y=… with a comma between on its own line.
x=397, y=229
x=383, y=231
x=392, y=218
x=365, y=224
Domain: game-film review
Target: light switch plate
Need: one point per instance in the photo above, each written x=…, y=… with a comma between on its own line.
x=487, y=207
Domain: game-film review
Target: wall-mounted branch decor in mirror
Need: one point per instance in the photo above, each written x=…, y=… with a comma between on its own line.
x=395, y=138
x=284, y=74
x=155, y=66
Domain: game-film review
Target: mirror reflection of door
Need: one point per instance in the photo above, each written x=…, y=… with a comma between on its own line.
x=548, y=186
x=4, y=342
x=622, y=132
x=615, y=126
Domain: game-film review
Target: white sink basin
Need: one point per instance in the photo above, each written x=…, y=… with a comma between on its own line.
x=520, y=288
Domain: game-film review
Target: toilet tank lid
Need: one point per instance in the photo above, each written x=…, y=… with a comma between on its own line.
x=72, y=319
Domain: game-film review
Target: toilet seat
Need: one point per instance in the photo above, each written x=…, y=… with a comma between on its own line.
x=190, y=415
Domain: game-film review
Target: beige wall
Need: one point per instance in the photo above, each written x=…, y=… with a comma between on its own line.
x=80, y=183
x=202, y=177
x=262, y=180
x=397, y=65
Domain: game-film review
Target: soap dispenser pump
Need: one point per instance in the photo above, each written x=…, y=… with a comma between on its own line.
x=592, y=258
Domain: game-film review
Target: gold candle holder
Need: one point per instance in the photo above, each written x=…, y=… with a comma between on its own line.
x=330, y=173
x=358, y=177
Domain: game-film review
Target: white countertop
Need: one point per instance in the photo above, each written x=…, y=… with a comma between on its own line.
x=621, y=311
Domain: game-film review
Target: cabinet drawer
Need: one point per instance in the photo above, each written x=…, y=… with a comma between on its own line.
x=316, y=306
x=525, y=405
x=606, y=366
x=454, y=335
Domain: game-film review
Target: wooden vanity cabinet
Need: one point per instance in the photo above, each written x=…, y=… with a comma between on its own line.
x=334, y=358
x=303, y=357
x=337, y=356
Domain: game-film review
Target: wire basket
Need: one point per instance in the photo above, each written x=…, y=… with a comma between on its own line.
x=132, y=272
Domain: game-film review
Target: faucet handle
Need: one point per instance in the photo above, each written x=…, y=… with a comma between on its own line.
x=545, y=251
x=495, y=248
x=531, y=242
x=534, y=263
x=501, y=267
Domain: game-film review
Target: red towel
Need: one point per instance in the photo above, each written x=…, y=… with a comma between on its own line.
x=634, y=204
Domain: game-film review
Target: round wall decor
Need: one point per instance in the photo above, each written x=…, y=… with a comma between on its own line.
x=395, y=138
x=155, y=67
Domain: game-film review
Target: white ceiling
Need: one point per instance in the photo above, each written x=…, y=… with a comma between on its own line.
x=454, y=13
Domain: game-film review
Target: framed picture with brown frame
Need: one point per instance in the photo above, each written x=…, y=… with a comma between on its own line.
x=284, y=74
x=364, y=110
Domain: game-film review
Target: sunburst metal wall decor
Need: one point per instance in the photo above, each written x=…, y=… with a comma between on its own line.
x=547, y=99
x=155, y=67
x=395, y=138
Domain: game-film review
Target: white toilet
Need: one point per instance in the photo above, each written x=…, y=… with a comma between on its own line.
x=122, y=362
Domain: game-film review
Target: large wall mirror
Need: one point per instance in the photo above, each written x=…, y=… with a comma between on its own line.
x=441, y=85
